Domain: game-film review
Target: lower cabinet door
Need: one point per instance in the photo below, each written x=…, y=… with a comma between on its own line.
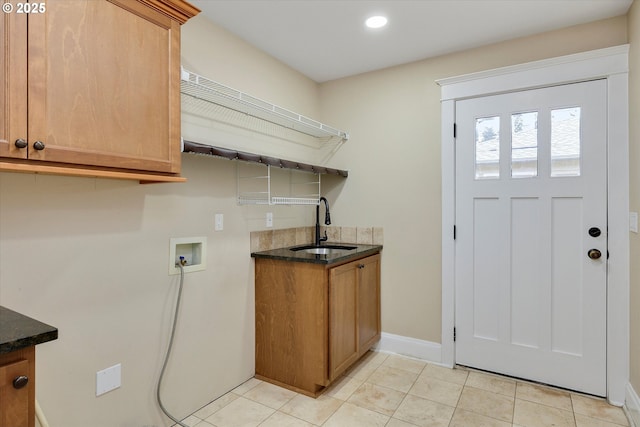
x=343, y=318
x=14, y=398
x=369, y=303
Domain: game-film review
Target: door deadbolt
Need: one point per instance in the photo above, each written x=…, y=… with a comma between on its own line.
x=594, y=254
x=594, y=232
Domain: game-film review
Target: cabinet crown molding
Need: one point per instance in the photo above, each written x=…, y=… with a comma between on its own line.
x=179, y=10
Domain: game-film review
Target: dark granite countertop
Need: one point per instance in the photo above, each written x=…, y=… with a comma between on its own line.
x=18, y=331
x=286, y=254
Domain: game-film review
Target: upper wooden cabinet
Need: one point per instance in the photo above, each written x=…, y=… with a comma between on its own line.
x=93, y=83
x=13, y=76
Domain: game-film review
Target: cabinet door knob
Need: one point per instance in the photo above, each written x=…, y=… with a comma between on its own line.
x=38, y=145
x=20, y=381
x=360, y=265
x=21, y=143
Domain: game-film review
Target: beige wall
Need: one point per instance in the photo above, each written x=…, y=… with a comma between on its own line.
x=213, y=52
x=393, y=116
x=634, y=202
x=90, y=256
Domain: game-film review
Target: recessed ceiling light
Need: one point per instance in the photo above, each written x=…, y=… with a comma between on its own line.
x=376, y=22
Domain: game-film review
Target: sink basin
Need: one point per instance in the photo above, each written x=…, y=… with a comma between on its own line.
x=320, y=251
x=323, y=250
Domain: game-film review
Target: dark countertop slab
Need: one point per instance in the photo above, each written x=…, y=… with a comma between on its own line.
x=286, y=254
x=18, y=331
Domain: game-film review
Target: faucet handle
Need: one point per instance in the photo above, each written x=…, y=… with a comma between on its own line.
x=325, y=238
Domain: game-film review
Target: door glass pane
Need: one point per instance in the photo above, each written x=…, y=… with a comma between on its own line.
x=565, y=142
x=488, y=147
x=524, y=145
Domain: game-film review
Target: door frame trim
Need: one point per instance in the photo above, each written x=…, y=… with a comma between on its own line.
x=610, y=64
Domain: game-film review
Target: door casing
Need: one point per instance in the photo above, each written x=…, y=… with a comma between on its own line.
x=612, y=65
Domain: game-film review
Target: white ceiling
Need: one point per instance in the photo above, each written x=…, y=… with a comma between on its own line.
x=327, y=39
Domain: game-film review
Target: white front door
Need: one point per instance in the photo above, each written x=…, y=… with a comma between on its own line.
x=531, y=235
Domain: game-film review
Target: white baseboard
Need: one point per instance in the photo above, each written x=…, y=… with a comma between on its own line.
x=632, y=406
x=412, y=347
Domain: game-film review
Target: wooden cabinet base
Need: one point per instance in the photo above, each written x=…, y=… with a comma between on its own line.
x=314, y=321
x=17, y=403
x=314, y=394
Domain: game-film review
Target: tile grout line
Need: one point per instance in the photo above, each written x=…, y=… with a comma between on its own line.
x=373, y=367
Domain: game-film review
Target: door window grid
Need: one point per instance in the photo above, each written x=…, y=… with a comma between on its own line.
x=565, y=144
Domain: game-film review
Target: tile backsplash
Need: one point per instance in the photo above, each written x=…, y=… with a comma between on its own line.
x=273, y=239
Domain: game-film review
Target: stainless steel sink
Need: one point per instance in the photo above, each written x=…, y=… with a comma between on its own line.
x=323, y=250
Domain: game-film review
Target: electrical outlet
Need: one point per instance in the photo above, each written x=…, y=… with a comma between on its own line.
x=269, y=219
x=219, y=225
x=108, y=379
x=633, y=221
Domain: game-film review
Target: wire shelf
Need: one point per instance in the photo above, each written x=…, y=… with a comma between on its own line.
x=255, y=188
x=209, y=91
x=294, y=201
x=247, y=199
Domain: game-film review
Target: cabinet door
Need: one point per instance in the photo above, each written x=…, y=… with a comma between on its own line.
x=368, y=303
x=14, y=403
x=104, y=85
x=13, y=83
x=343, y=318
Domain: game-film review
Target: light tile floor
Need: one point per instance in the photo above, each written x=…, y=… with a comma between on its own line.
x=394, y=391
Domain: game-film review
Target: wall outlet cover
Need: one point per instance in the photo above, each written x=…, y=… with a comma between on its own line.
x=108, y=379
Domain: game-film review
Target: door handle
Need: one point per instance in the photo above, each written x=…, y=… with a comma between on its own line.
x=594, y=254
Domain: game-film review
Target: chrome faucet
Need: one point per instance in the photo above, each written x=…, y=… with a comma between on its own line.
x=327, y=221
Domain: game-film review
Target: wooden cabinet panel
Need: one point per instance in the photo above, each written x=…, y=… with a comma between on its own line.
x=369, y=303
x=13, y=83
x=343, y=318
x=291, y=324
x=99, y=80
x=17, y=406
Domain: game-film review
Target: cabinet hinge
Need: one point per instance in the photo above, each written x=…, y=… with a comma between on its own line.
x=454, y=232
x=454, y=334
x=455, y=128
